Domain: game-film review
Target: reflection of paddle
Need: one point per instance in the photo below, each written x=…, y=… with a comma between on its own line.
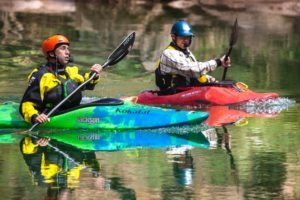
x=54, y=146
x=118, y=54
x=56, y=149
x=232, y=41
x=227, y=144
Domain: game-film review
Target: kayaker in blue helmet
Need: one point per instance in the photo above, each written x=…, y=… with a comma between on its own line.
x=49, y=84
x=178, y=67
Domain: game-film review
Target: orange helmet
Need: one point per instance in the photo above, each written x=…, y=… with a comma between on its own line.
x=52, y=42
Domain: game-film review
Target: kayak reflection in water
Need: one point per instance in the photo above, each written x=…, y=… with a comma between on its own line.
x=49, y=84
x=178, y=67
x=58, y=170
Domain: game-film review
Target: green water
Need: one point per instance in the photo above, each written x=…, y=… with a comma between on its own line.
x=263, y=161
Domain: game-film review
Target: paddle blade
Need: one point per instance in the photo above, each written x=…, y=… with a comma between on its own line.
x=232, y=41
x=121, y=51
x=234, y=33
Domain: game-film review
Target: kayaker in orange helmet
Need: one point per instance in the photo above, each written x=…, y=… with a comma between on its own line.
x=51, y=83
x=178, y=67
x=57, y=169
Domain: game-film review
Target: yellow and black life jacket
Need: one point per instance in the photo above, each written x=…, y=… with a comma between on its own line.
x=61, y=91
x=59, y=86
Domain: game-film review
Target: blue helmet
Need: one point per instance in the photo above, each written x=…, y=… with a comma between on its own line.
x=182, y=28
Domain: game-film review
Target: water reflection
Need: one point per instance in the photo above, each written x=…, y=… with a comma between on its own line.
x=239, y=114
x=57, y=158
x=183, y=166
x=269, y=176
x=99, y=140
x=226, y=144
x=178, y=171
x=57, y=167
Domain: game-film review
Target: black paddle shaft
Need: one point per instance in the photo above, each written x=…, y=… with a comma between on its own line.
x=118, y=54
x=232, y=41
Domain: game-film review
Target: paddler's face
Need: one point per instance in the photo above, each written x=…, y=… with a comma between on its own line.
x=63, y=54
x=182, y=42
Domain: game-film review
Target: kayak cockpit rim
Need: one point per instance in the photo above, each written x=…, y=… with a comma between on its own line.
x=107, y=101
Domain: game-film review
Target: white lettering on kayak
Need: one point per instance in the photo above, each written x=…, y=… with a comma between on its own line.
x=89, y=137
x=88, y=120
x=136, y=112
x=190, y=94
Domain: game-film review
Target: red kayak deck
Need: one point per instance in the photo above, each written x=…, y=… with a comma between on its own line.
x=203, y=96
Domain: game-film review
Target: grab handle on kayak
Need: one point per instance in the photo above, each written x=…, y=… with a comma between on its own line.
x=240, y=86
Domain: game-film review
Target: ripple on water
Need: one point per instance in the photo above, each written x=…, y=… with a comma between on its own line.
x=270, y=106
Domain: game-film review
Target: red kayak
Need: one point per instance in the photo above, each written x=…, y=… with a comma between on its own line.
x=223, y=93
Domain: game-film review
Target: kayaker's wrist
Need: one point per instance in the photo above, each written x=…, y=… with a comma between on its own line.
x=96, y=77
x=219, y=62
x=33, y=118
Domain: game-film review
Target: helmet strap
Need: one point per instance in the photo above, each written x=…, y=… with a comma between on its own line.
x=56, y=65
x=185, y=51
x=53, y=59
x=190, y=42
x=174, y=37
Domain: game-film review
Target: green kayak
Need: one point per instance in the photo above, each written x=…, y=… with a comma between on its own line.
x=106, y=113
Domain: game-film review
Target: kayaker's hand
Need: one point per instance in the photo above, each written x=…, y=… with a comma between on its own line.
x=42, y=118
x=97, y=68
x=225, y=63
x=43, y=142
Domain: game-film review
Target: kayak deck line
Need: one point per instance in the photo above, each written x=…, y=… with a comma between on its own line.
x=107, y=101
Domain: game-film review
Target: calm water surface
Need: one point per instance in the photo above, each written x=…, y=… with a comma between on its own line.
x=253, y=156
